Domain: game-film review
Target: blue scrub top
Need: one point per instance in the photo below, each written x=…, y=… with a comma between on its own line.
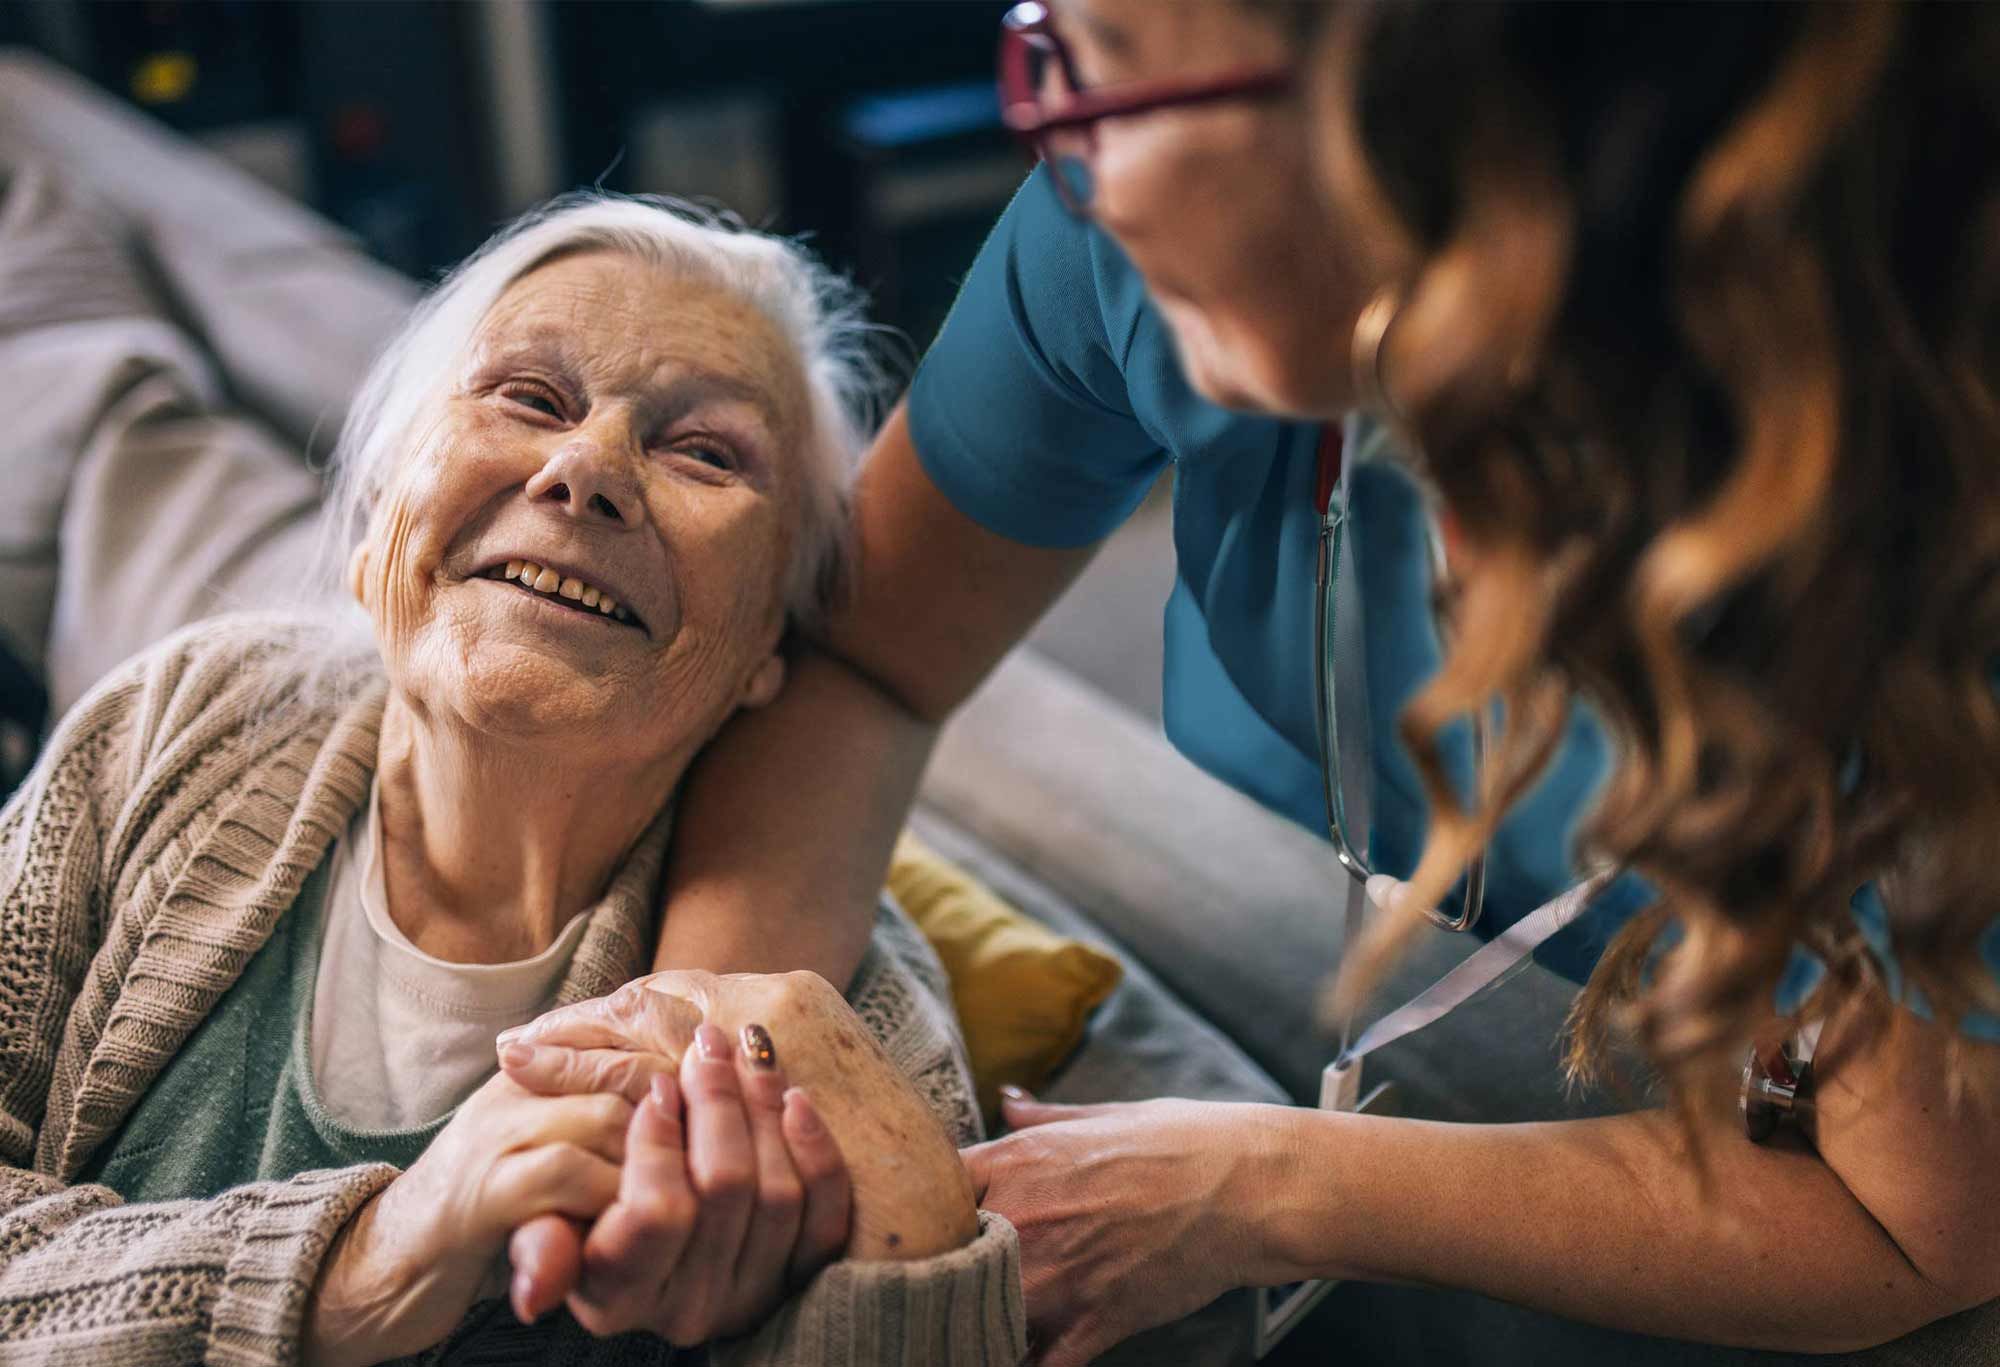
x=1051, y=401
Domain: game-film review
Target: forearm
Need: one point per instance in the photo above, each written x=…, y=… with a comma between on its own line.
x=1606, y=1221
x=785, y=827
x=788, y=819
x=912, y=1197
x=168, y=1282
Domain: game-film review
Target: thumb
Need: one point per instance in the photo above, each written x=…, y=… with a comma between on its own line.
x=1022, y=1111
x=978, y=1161
x=547, y=1255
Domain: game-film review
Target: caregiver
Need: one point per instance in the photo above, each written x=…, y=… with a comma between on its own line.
x=1702, y=373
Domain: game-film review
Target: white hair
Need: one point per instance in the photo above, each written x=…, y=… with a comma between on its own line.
x=817, y=311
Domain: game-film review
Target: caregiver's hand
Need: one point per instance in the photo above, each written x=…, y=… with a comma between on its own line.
x=1162, y=1195
x=406, y=1268
x=732, y=1191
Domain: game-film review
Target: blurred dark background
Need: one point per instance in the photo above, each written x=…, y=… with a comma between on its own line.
x=422, y=124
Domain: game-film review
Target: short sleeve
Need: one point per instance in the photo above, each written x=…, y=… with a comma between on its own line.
x=1805, y=971
x=1020, y=411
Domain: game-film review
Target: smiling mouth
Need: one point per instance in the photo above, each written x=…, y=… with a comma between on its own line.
x=570, y=592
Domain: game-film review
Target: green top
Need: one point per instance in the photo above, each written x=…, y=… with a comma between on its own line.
x=237, y=1104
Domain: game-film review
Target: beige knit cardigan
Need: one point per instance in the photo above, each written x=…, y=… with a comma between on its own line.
x=170, y=823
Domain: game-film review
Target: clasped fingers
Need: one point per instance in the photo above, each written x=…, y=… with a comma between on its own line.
x=732, y=1191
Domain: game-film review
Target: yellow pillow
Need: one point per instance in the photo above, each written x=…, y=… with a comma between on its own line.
x=1023, y=992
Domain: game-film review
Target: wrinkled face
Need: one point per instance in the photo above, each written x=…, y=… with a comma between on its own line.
x=1214, y=204
x=616, y=435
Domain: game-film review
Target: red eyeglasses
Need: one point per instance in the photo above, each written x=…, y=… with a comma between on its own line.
x=1043, y=102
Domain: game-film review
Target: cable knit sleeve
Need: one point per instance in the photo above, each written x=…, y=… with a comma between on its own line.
x=52, y=901
x=83, y=1276
x=958, y=1309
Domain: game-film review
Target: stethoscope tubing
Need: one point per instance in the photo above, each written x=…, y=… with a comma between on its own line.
x=1332, y=531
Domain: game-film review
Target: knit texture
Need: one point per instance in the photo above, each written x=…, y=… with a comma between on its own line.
x=170, y=823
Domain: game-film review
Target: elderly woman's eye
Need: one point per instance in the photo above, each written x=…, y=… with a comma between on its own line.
x=541, y=401
x=714, y=456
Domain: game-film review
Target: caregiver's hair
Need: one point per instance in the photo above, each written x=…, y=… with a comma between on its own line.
x=818, y=312
x=1702, y=352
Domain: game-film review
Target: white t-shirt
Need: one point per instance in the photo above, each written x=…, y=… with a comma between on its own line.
x=398, y=1037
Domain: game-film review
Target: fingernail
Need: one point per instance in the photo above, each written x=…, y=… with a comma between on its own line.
x=1013, y=1093
x=662, y=1090
x=757, y=1047
x=517, y=1055
x=509, y=1033
x=804, y=1114
x=519, y=1295
x=712, y=1042
x=1383, y=890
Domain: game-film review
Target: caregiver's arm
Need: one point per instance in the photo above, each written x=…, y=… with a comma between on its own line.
x=792, y=811
x=1895, y=1223
x=1600, y=1220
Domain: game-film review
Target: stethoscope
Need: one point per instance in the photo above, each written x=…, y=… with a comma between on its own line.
x=1777, y=1083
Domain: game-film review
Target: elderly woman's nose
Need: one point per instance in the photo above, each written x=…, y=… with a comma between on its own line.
x=590, y=482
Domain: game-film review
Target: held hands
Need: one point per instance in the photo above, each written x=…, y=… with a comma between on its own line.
x=409, y=1264
x=732, y=1191
x=910, y=1197
x=677, y=1185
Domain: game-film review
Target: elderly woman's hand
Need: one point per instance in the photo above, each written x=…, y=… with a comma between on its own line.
x=408, y=1265
x=910, y=1196
x=733, y=1190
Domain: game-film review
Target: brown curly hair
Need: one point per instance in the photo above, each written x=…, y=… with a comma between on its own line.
x=1699, y=345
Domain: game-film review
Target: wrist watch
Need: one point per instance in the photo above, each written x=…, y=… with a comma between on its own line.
x=1777, y=1088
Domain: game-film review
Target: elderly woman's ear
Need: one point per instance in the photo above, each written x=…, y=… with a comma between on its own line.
x=766, y=682
x=357, y=574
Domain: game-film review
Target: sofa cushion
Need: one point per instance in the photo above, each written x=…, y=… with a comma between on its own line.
x=1023, y=993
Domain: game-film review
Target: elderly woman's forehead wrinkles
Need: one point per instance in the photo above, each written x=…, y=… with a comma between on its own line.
x=499, y=341
x=690, y=389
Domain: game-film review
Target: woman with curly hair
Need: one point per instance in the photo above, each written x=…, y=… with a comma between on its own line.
x=1685, y=323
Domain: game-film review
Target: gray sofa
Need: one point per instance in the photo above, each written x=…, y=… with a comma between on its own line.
x=1068, y=805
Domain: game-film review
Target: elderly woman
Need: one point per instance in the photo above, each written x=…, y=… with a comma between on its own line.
x=269, y=896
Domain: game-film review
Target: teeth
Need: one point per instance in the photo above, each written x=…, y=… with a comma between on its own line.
x=544, y=580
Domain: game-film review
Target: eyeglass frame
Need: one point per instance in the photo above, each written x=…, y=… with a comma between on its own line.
x=1028, y=26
